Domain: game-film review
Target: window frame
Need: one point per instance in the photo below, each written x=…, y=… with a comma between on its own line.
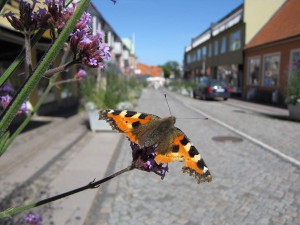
x=249, y=72
x=216, y=47
x=230, y=40
x=263, y=71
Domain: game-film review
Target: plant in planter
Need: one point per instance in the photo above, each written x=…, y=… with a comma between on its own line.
x=113, y=90
x=293, y=98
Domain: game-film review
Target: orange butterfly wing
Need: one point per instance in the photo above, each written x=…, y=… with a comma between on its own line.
x=125, y=121
x=183, y=150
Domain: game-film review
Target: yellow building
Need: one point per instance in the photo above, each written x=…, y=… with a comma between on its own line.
x=257, y=13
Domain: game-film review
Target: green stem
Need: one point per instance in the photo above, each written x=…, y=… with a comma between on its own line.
x=10, y=112
x=94, y=184
x=28, y=118
x=28, y=57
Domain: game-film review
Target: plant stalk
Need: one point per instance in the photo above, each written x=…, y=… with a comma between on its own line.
x=10, y=112
x=94, y=184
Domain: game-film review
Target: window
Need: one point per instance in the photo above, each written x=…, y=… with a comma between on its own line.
x=199, y=54
x=223, y=45
x=253, y=70
x=204, y=52
x=216, y=46
x=271, y=69
x=235, y=41
x=188, y=58
x=209, y=50
x=295, y=60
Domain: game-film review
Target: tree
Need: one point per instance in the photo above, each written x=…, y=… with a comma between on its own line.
x=171, y=67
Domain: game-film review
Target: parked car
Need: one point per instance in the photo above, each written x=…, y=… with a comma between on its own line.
x=209, y=89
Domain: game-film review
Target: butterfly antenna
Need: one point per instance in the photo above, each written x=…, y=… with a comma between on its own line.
x=168, y=104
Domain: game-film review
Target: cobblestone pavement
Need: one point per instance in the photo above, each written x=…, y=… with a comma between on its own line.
x=250, y=184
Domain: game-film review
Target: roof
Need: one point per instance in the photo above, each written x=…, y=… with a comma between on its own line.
x=152, y=71
x=283, y=25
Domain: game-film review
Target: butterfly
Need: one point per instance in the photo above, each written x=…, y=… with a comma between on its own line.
x=150, y=130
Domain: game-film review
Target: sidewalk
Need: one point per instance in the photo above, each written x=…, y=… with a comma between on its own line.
x=57, y=157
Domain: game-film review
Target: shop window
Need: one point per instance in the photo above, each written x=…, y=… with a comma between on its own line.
x=235, y=41
x=295, y=60
x=204, y=52
x=271, y=70
x=223, y=45
x=216, y=48
x=253, y=70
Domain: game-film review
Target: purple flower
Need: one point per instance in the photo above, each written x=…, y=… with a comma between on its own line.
x=23, y=109
x=27, y=21
x=144, y=159
x=7, y=89
x=84, y=21
x=105, y=52
x=80, y=74
x=5, y=100
x=33, y=219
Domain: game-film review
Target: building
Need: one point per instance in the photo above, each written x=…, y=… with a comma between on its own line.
x=67, y=95
x=143, y=70
x=270, y=55
x=218, y=51
x=120, y=53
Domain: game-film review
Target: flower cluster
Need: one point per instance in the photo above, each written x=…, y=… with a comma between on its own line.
x=27, y=21
x=55, y=15
x=87, y=49
x=5, y=98
x=33, y=219
x=143, y=159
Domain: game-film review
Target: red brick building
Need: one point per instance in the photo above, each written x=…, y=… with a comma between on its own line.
x=148, y=71
x=270, y=55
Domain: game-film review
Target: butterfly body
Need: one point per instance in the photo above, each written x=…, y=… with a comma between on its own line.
x=170, y=142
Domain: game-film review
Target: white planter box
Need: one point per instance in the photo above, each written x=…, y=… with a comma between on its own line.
x=294, y=111
x=95, y=123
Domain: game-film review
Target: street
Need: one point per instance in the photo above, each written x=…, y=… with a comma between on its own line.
x=251, y=150
x=251, y=184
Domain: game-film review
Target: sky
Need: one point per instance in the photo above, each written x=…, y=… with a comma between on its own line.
x=163, y=28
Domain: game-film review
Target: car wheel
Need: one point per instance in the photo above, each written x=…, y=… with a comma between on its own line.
x=194, y=95
x=225, y=99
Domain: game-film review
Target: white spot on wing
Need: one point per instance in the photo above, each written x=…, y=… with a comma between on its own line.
x=136, y=115
x=187, y=147
x=197, y=157
x=205, y=169
x=123, y=113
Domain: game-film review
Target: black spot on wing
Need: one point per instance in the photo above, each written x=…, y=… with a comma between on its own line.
x=116, y=112
x=142, y=116
x=175, y=148
x=136, y=124
x=184, y=141
x=193, y=151
x=201, y=164
x=130, y=114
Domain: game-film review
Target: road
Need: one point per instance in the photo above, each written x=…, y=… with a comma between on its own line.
x=252, y=152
